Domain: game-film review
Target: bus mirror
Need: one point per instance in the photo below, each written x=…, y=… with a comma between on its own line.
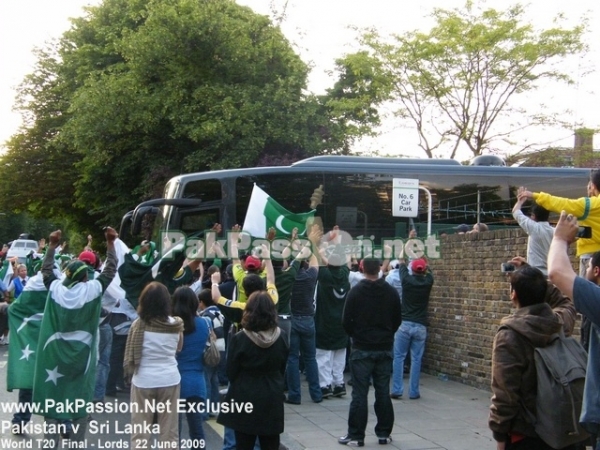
x=138, y=217
x=125, y=224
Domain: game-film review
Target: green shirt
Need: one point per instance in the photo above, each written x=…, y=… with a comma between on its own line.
x=332, y=289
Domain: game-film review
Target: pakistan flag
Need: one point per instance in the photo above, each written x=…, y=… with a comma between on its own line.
x=24, y=319
x=65, y=369
x=264, y=213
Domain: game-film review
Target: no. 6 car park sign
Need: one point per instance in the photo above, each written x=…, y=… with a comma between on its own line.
x=405, y=197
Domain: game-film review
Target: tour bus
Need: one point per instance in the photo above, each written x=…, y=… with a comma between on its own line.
x=364, y=196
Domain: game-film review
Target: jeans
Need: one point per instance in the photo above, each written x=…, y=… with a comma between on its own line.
x=302, y=341
x=211, y=377
x=105, y=334
x=410, y=335
x=194, y=420
x=364, y=366
x=228, y=439
x=117, y=354
x=24, y=417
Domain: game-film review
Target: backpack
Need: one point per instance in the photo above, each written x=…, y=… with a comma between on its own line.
x=560, y=368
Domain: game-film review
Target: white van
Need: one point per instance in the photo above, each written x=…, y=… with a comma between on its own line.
x=21, y=248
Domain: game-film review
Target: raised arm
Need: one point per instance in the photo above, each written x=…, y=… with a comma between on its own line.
x=560, y=272
x=110, y=265
x=579, y=207
x=48, y=262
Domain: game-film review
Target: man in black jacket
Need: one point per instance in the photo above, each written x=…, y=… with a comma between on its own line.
x=372, y=315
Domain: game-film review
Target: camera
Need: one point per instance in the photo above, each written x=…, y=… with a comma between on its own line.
x=507, y=267
x=584, y=232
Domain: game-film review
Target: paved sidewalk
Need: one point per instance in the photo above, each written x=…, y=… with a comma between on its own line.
x=448, y=415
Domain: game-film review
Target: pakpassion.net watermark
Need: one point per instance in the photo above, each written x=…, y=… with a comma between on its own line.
x=79, y=406
x=236, y=243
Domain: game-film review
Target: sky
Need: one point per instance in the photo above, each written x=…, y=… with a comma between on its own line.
x=320, y=32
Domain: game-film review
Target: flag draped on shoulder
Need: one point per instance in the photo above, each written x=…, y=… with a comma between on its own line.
x=6, y=272
x=264, y=212
x=24, y=319
x=65, y=368
x=134, y=276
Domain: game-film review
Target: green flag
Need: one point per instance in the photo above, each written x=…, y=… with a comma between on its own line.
x=65, y=368
x=6, y=272
x=24, y=319
x=264, y=212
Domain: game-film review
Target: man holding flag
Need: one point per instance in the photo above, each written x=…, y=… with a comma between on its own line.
x=65, y=369
x=265, y=213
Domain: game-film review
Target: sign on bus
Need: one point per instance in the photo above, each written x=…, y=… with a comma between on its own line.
x=405, y=197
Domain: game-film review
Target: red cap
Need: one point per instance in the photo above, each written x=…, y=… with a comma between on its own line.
x=252, y=263
x=87, y=257
x=419, y=266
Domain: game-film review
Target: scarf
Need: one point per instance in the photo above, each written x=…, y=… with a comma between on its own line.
x=135, y=340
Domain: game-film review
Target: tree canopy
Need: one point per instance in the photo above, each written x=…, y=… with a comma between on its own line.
x=138, y=91
x=457, y=84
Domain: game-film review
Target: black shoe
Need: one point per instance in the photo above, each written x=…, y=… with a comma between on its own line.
x=395, y=396
x=17, y=429
x=291, y=402
x=384, y=440
x=326, y=391
x=340, y=390
x=351, y=442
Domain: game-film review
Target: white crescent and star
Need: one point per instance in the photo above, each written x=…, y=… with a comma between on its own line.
x=279, y=225
x=26, y=353
x=340, y=296
x=53, y=375
x=80, y=336
x=26, y=320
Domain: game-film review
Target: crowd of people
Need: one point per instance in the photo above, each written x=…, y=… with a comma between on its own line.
x=131, y=328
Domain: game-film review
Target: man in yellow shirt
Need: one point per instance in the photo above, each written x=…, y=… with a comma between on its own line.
x=587, y=212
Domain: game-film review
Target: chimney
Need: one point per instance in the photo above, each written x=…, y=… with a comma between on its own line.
x=584, y=147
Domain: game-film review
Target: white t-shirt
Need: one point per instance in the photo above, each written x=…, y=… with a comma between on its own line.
x=158, y=366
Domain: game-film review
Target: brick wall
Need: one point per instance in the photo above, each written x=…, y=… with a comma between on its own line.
x=469, y=297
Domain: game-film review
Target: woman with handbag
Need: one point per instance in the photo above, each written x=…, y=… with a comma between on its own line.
x=190, y=362
x=150, y=365
x=256, y=361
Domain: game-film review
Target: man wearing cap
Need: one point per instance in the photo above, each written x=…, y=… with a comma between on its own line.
x=65, y=366
x=416, y=288
x=251, y=265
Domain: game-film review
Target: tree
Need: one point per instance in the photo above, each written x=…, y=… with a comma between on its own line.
x=458, y=82
x=137, y=92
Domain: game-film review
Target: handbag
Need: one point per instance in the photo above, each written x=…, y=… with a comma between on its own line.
x=212, y=355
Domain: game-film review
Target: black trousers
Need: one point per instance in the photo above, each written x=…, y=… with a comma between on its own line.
x=245, y=441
